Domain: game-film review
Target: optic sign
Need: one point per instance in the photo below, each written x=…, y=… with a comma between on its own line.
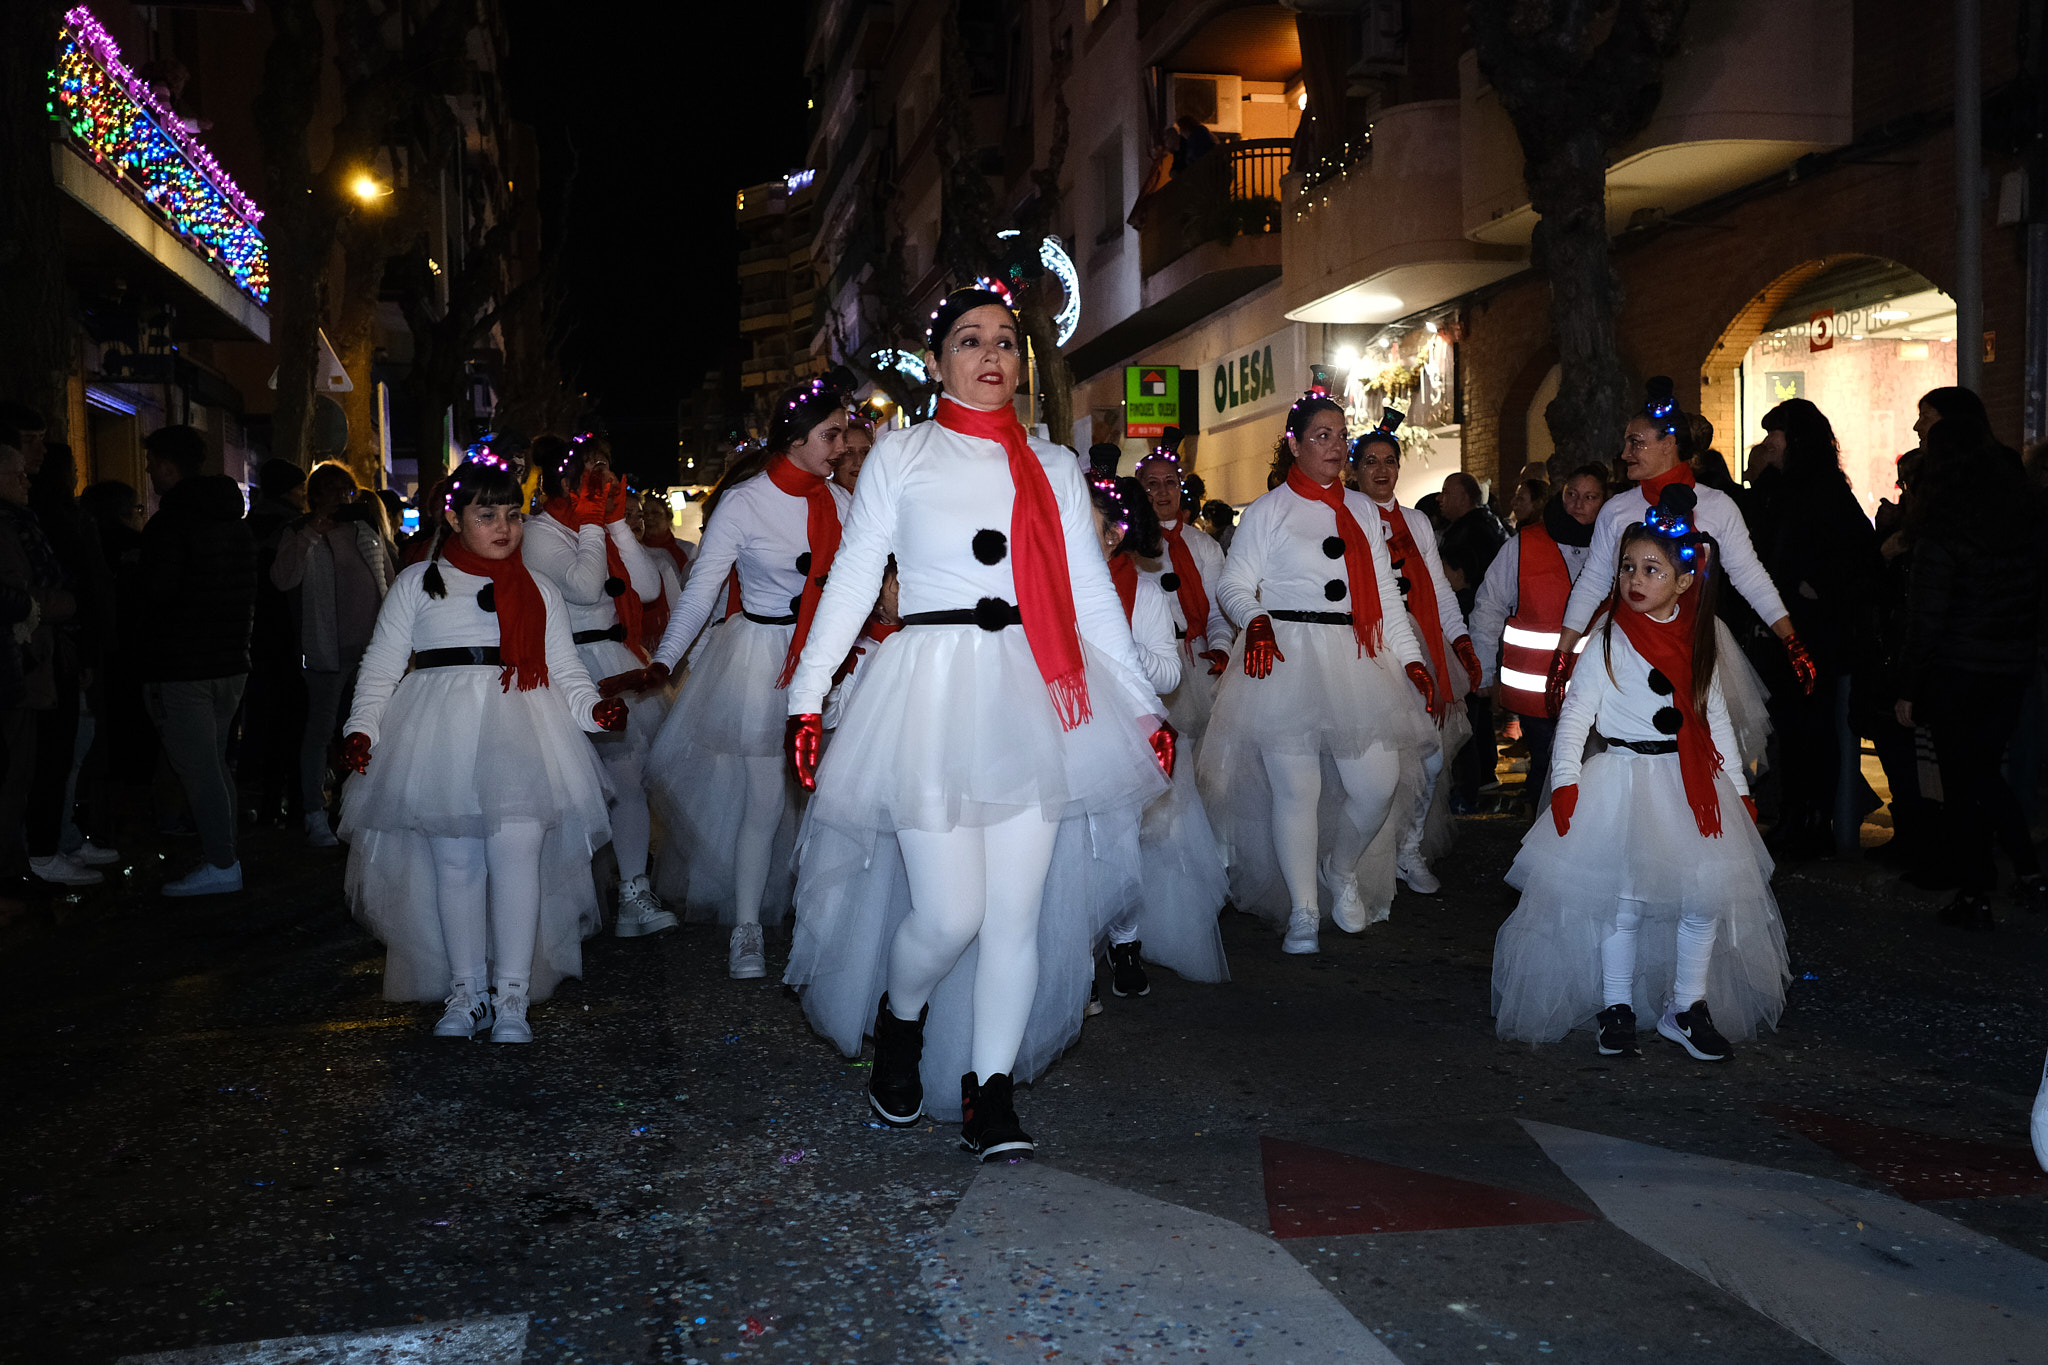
x=1822, y=337
x=1151, y=399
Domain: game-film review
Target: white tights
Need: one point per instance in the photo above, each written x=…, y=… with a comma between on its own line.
x=490, y=886
x=767, y=789
x=631, y=829
x=971, y=884
x=1618, y=957
x=1297, y=781
x=1432, y=769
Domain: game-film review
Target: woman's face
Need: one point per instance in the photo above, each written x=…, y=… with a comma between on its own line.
x=846, y=469
x=1161, y=481
x=825, y=443
x=1924, y=423
x=1647, y=451
x=1769, y=453
x=1648, y=581
x=489, y=532
x=1522, y=507
x=1583, y=497
x=1107, y=534
x=980, y=361
x=636, y=517
x=1379, y=469
x=1319, y=451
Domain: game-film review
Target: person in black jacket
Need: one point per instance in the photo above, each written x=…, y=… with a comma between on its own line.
x=274, y=709
x=199, y=571
x=1972, y=622
x=1470, y=540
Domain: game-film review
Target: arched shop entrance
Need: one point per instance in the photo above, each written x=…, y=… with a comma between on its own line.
x=1858, y=336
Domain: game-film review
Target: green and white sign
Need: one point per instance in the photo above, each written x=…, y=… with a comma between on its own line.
x=1151, y=399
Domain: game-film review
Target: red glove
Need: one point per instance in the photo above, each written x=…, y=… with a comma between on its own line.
x=1553, y=685
x=656, y=674
x=1261, y=651
x=591, y=500
x=804, y=736
x=1563, y=801
x=355, y=752
x=1749, y=804
x=1419, y=675
x=1164, y=744
x=615, y=501
x=610, y=714
x=1218, y=661
x=1468, y=656
x=634, y=681
x=1802, y=662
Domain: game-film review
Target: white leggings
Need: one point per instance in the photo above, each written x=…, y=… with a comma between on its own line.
x=1618, y=957
x=1297, y=781
x=1432, y=769
x=490, y=886
x=767, y=789
x=631, y=829
x=971, y=884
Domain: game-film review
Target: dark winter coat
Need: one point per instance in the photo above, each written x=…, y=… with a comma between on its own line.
x=1821, y=551
x=1469, y=545
x=1973, y=606
x=199, y=574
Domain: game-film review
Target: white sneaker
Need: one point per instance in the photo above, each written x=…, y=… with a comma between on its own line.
x=1349, y=910
x=319, y=833
x=90, y=854
x=747, y=958
x=511, y=1026
x=468, y=1014
x=1302, y=923
x=1412, y=868
x=59, y=869
x=206, y=880
x=640, y=910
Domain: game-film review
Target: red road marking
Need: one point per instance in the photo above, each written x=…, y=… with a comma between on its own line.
x=1315, y=1192
x=1920, y=1166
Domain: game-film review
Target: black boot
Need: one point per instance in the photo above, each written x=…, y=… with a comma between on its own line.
x=894, y=1091
x=988, y=1119
x=1617, y=1025
x=1126, y=972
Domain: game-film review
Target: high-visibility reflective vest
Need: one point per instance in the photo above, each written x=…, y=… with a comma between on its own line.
x=1543, y=586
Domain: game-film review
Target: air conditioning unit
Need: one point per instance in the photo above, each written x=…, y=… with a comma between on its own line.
x=1217, y=101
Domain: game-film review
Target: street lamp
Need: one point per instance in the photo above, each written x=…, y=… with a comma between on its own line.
x=367, y=188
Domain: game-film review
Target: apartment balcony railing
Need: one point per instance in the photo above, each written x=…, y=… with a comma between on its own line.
x=1233, y=192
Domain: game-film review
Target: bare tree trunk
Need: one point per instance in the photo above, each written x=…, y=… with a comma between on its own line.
x=1055, y=376
x=1590, y=410
x=355, y=343
x=35, y=341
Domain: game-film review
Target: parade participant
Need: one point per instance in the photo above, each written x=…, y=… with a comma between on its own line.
x=583, y=544
x=1656, y=448
x=1519, y=612
x=1316, y=696
x=719, y=775
x=975, y=821
x=860, y=439
x=1194, y=564
x=1647, y=891
x=1447, y=648
x=1184, y=883
x=477, y=802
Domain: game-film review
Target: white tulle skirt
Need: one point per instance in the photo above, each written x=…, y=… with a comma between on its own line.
x=644, y=710
x=727, y=712
x=1747, y=697
x=1190, y=705
x=1439, y=830
x=953, y=727
x=1633, y=838
x=1185, y=883
x=1327, y=700
x=458, y=757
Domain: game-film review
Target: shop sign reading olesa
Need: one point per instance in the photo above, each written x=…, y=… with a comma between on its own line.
x=1253, y=380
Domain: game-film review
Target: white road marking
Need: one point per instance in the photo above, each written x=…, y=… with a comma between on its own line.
x=475, y=1341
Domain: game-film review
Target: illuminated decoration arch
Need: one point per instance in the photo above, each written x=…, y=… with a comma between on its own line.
x=904, y=363
x=1054, y=258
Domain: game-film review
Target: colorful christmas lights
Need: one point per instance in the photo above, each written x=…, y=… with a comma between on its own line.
x=135, y=139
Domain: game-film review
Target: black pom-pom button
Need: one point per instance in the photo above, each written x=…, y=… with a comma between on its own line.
x=992, y=613
x=1170, y=582
x=614, y=587
x=991, y=546
x=1333, y=547
x=1335, y=590
x=1403, y=584
x=796, y=604
x=1667, y=720
x=803, y=562
x=1660, y=684
x=487, y=597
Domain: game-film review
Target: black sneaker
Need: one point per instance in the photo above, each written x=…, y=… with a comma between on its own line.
x=988, y=1119
x=1969, y=911
x=1694, y=1031
x=895, y=1092
x=1618, y=1031
x=2032, y=894
x=1126, y=972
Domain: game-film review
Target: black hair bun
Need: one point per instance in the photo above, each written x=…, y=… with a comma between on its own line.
x=1678, y=499
x=1660, y=388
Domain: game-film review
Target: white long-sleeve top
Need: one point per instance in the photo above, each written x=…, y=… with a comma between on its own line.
x=575, y=563
x=1624, y=707
x=1278, y=559
x=1716, y=514
x=1449, y=619
x=1208, y=556
x=413, y=621
x=1152, y=625
x=1501, y=592
x=924, y=494
x=764, y=531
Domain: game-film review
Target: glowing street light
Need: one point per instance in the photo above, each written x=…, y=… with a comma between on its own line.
x=367, y=188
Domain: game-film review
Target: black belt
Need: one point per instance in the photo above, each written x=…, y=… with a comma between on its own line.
x=591, y=637
x=1180, y=632
x=457, y=656
x=1313, y=618
x=769, y=620
x=990, y=613
x=1645, y=746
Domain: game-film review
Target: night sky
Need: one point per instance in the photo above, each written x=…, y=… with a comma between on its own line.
x=665, y=110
